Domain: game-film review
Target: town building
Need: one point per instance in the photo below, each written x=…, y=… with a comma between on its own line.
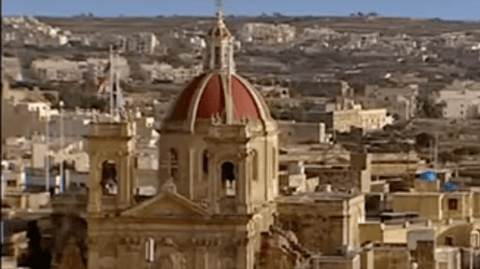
x=166, y=73
x=11, y=69
x=56, y=69
x=437, y=225
x=347, y=115
x=460, y=100
x=143, y=43
x=400, y=102
x=301, y=132
x=270, y=34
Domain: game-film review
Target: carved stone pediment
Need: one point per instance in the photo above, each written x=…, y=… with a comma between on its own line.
x=166, y=204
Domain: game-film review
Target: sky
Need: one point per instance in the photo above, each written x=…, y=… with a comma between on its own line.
x=444, y=9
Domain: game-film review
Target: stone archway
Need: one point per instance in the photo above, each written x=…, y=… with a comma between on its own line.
x=229, y=178
x=109, y=180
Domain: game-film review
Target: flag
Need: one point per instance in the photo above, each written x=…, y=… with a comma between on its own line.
x=103, y=80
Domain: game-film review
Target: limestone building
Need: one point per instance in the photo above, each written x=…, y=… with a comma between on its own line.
x=218, y=162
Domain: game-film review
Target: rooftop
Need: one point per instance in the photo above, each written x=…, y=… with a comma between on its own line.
x=316, y=197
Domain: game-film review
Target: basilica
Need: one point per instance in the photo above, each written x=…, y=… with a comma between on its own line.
x=218, y=176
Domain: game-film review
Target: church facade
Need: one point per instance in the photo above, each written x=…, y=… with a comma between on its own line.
x=218, y=171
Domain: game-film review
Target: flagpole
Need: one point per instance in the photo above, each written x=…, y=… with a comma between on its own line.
x=111, y=84
x=117, y=90
x=47, y=159
x=61, y=146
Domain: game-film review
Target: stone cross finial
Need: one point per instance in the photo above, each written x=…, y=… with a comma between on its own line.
x=219, y=5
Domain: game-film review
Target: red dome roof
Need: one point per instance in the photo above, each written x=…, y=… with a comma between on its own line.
x=207, y=90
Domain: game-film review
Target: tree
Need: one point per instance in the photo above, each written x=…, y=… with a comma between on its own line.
x=90, y=15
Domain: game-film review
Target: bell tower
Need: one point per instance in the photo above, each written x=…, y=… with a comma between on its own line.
x=220, y=45
x=111, y=147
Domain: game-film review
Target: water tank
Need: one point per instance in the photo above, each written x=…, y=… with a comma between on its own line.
x=428, y=176
x=449, y=187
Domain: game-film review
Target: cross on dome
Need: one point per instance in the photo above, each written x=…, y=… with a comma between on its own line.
x=219, y=5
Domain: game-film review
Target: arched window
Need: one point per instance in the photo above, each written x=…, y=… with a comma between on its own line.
x=218, y=58
x=173, y=163
x=229, y=178
x=254, y=165
x=205, y=162
x=109, y=178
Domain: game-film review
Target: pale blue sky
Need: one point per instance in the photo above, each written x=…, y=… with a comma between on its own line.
x=445, y=9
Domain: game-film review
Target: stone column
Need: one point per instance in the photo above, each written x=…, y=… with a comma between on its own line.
x=242, y=253
x=200, y=257
x=214, y=182
x=241, y=183
x=95, y=190
x=93, y=255
x=124, y=195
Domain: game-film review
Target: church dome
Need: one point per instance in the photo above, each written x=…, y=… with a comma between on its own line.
x=219, y=93
x=206, y=97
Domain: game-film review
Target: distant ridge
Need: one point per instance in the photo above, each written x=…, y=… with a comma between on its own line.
x=261, y=16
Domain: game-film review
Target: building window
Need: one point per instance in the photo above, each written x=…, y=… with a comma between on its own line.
x=218, y=57
x=452, y=204
x=228, y=178
x=173, y=163
x=254, y=165
x=449, y=241
x=205, y=162
x=150, y=250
